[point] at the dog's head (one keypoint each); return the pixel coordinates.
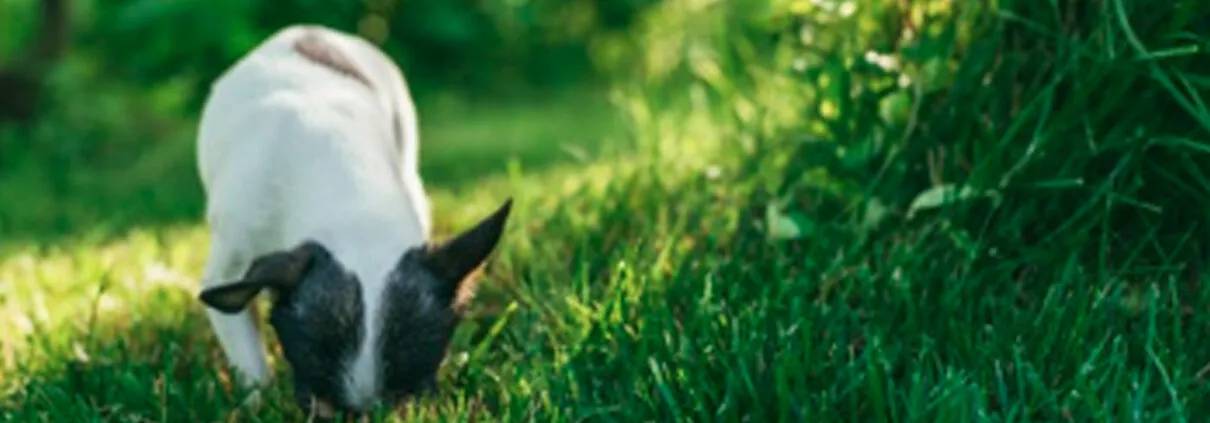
(350, 347)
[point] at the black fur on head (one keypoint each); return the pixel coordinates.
(319, 315)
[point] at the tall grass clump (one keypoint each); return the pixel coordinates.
(932, 211)
(989, 212)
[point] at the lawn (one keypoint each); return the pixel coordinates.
(990, 230)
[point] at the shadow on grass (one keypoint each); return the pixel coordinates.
(153, 371)
(55, 190)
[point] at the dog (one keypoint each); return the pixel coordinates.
(307, 150)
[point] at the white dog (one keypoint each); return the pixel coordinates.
(307, 150)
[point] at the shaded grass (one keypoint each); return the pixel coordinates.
(466, 139)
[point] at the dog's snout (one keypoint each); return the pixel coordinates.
(323, 410)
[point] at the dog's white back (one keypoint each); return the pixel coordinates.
(278, 115)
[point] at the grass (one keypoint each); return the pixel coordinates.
(643, 285)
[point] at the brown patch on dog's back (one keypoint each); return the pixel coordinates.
(313, 47)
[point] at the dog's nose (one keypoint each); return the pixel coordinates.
(354, 417)
(355, 413)
(343, 416)
(323, 410)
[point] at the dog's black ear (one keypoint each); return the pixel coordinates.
(233, 297)
(280, 271)
(457, 258)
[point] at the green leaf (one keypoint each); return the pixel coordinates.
(875, 214)
(942, 195)
(895, 107)
(783, 226)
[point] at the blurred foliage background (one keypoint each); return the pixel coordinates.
(99, 96)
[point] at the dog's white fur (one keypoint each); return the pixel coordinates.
(289, 150)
